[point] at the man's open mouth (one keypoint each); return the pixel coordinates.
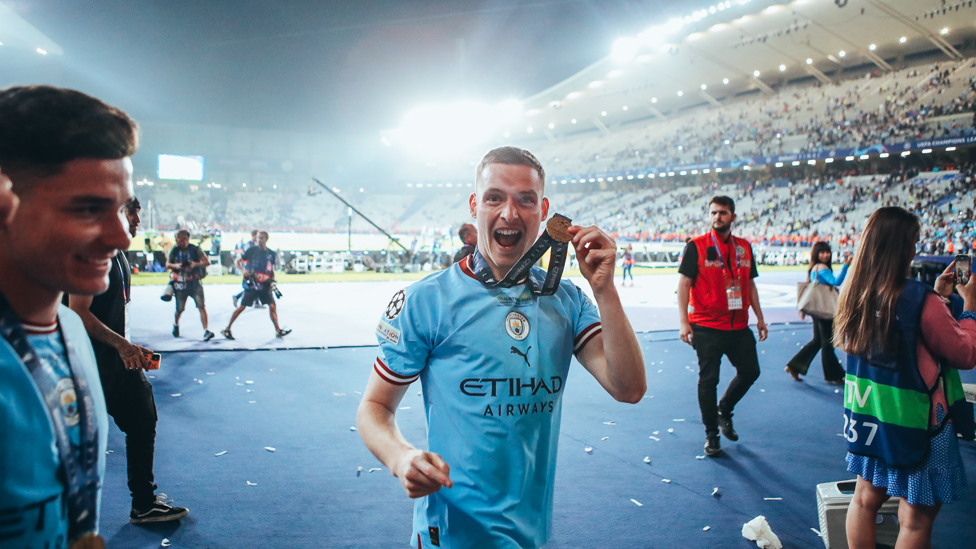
(507, 238)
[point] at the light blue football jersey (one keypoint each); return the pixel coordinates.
(493, 365)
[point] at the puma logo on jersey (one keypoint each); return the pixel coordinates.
(524, 355)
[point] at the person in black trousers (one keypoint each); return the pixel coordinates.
(823, 329)
(128, 394)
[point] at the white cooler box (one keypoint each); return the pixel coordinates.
(833, 499)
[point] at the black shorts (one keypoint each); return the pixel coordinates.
(196, 293)
(250, 296)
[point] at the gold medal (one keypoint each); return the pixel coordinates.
(556, 227)
(91, 540)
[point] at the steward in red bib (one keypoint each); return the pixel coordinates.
(724, 273)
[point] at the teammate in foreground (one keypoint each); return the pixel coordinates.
(258, 266)
(493, 363)
(67, 155)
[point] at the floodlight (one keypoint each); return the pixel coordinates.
(849, 158)
(551, 125)
(864, 157)
(603, 113)
(842, 53)
(950, 149)
(529, 129)
(44, 52)
(725, 80)
(796, 162)
(625, 107)
(573, 121)
(779, 164)
(883, 155)
(755, 73)
(902, 40)
(812, 162)
(654, 100)
(680, 93)
(782, 68)
(624, 49)
(615, 73)
(926, 151)
(809, 61)
(944, 31)
(596, 83)
(872, 47)
(703, 86)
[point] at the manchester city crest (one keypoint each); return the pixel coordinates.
(517, 326)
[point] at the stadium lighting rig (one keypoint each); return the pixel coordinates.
(625, 49)
(454, 127)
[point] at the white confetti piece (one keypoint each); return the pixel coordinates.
(699, 457)
(637, 503)
(269, 448)
(249, 390)
(419, 393)
(357, 392)
(252, 402)
(671, 430)
(656, 433)
(359, 471)
(176, 394)
(666, 480)
(249, 382)
(210, 373)
(109, 452)
(654, 438)
(647, 459)
(815, 531)
(352, 428)
(659, 371)
(772, 499)
(707, 528)
(271, 369)
(374, 469)
(764, 352)
(715, 492)
(237, 378)
(339, 394)
(762, 390)
(218, 454)
(249, 483)
(794, 333)
(677, 420)
(404, 408)
(200, 381)
(604, 438)
(164, 543)
(836, 391)
(240, 384)
(588, 449)
(609, 423)
(151, 377)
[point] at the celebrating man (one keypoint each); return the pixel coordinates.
(67, 155)
(715, 291)
(128, 394)
(493, 360)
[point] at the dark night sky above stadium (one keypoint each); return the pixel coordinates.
(326, 67)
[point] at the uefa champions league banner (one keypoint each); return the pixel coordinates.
(896, 148)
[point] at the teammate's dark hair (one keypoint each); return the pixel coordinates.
(265, 233)
(464, 231)
(183, 232)
(723, 201)
(42, 128)
(512, 156)
(133, 205)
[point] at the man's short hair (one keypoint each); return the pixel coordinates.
(464, 231)
(723, 201)
(513, 156)
(133, 205)
(254, 233)
(42, 128)
(183, 232)
(265, 233)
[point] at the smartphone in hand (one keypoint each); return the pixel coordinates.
(964, 268)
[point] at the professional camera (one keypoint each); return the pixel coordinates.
(277, 292)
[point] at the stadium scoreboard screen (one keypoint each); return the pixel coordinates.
(186, 168)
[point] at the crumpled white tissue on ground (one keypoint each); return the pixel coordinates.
(758, 530)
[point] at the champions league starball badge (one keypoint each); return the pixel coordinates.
(557, 237)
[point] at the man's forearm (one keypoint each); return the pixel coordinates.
(684, 290)
(754, 300)
(625, 362)
(99, 331)
(379, 431)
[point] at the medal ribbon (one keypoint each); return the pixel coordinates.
(522, 270)
(722, 261)
(79, 470)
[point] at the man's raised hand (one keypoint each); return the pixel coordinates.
(596, 253)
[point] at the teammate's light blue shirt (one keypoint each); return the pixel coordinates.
(493, 364)
(31, 488)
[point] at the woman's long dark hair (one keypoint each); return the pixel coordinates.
(818, 248)
(865, 317)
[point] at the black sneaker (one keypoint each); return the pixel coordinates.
(283, 333)
(157, 512)
(176, 330)
(226, 333)
(725, 424)
(713, 446)
(207, 335)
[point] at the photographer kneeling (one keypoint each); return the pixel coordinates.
(259, 283)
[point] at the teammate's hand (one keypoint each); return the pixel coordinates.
(686, 334)
(943, 284)
(134, 356)
(763, 330)
(422, 473)
(8, 201)
(596, 254)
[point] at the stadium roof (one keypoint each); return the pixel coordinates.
(739, 46)
(17, 34)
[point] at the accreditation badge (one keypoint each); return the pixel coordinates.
(734, 295)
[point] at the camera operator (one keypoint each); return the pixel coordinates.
(188, 264)
(259, 283)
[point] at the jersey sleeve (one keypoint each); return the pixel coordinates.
(587, 322)
(404, 333)
(754, 270)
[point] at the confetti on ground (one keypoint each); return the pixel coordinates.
(671, 430)
(699, 457)
(357, 392)
(151, 377)
(218, 454)
(164, 543)
(240, 384)
(654, 438)
(637, 503)
(588, 449)
(352, 428)
(419, 393)
(678, 420)
(656, 433)
(269, 448)
(237, 378)
(249, 382)
(109, 452)
(604, 438)
(794, 333)
(249, 390)
(249, 483)
(251, 401)
(375, 469)
(707, 528)
(773, 499)
(210, 373)
(836, 391)
(271, 369)
(404, 407)
(647, 459)
(659, 371)
(666, 480)
(609, 423)
(200, 381)
(715, 492)
(176, 394)
(762, 390)
(764, 352)
(339, 394)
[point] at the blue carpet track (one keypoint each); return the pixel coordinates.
(310, 492)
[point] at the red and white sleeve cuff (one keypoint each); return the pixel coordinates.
(586, 335)
(392, 377)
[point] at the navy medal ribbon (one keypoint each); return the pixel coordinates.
(79, 469)
(554, 237)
